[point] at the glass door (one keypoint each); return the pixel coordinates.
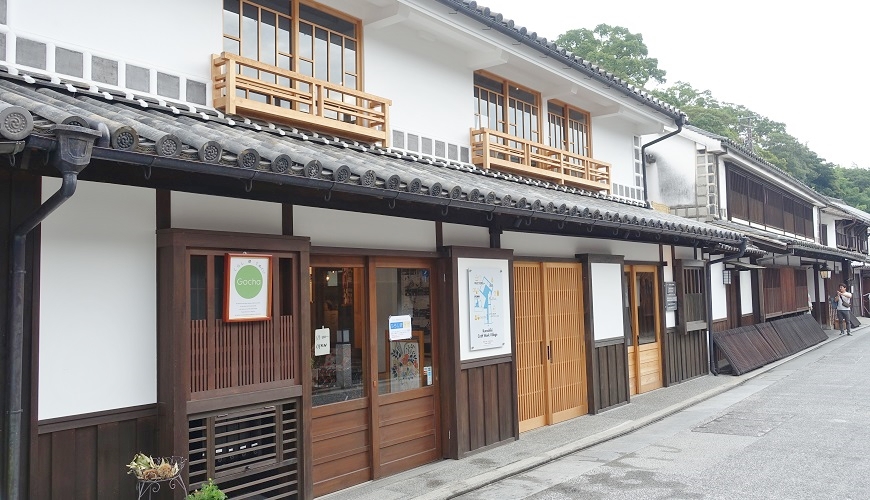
(645, 360)
(341, 411)
(403, 361)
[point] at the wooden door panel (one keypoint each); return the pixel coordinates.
(650, 369)
(407, 431)
(564, 309)
(340, 446)
(531, 352)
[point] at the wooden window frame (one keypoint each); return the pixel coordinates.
(684, 323)
(564, 142)
(295, 20)
(504, 121)
(754, 201)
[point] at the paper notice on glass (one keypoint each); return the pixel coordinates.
(321, 342)
(400, 327)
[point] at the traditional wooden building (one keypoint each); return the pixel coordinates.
(278, 244)
(710, 178)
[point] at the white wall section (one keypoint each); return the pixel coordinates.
(98, 303)
(607, 300)
(349, 229)
(215, 213)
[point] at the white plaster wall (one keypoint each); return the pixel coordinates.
(746, 292)
(216, 213)
(674, 169)
(469, 236)
(540, 245)
(97, 317)
(831, 227)
(148, 34)
(613, 142)
(685, 253)
(463, 265)
(607, 300)
(718, 291)
(349, 229)
(429, 83)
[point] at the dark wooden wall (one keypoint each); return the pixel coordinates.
(488, 390)
(83, 457)
(611, 365)
(478, 397)
(685, 355)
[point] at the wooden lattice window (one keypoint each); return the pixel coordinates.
(249, 451)
(737, 198)
(293, 36)
(568, 129)
(772, 292)
(691, 295)
(506, 107)
(225, 356)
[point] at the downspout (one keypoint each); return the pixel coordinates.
(714, 369)
(679, 122)
(72, 155)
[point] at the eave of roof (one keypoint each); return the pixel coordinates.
(733, 147)
(847, 210)
(530, 38)
(165, 137)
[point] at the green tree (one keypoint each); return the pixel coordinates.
(615, 49)
(624, 54)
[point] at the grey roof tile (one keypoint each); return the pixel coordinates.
(247, 145)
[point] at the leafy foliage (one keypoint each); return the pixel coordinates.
(624, 54)
(615, 49)
(209, 491)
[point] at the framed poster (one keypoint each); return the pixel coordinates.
(486, 308)
(404, 358)
(247, 287)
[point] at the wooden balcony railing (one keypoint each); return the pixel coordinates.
(499, 151)
(247, 87)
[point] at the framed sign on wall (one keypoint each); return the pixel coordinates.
(248, 287)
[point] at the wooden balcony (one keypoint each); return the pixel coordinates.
(499, 151)
(246, 87)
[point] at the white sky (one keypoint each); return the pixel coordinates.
(800, 63)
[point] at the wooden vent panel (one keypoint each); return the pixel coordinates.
(249, 451)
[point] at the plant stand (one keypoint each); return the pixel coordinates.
(145, 487)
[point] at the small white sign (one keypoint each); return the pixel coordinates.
(400, 327)
(321, 342)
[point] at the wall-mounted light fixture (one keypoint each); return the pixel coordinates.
(726, 277)
(824, 272)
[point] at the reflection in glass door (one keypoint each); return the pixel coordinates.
(404, 362)
(645, 360)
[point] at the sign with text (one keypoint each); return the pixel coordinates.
(670, 296)
(321, 342)
(485, 308)
(248, 287)
(400, 327)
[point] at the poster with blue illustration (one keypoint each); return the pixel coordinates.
(486, 308)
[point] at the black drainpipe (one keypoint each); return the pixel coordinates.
(679, 122)
(72, 155)
(711, 348)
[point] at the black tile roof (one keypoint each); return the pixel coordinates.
(164, 136)
(779, 243)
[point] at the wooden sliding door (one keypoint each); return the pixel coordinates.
(551, 371)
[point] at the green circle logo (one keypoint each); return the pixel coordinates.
(249, 282)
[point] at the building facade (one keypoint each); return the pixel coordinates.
(280, 244)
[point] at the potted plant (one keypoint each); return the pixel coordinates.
(209, 491)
